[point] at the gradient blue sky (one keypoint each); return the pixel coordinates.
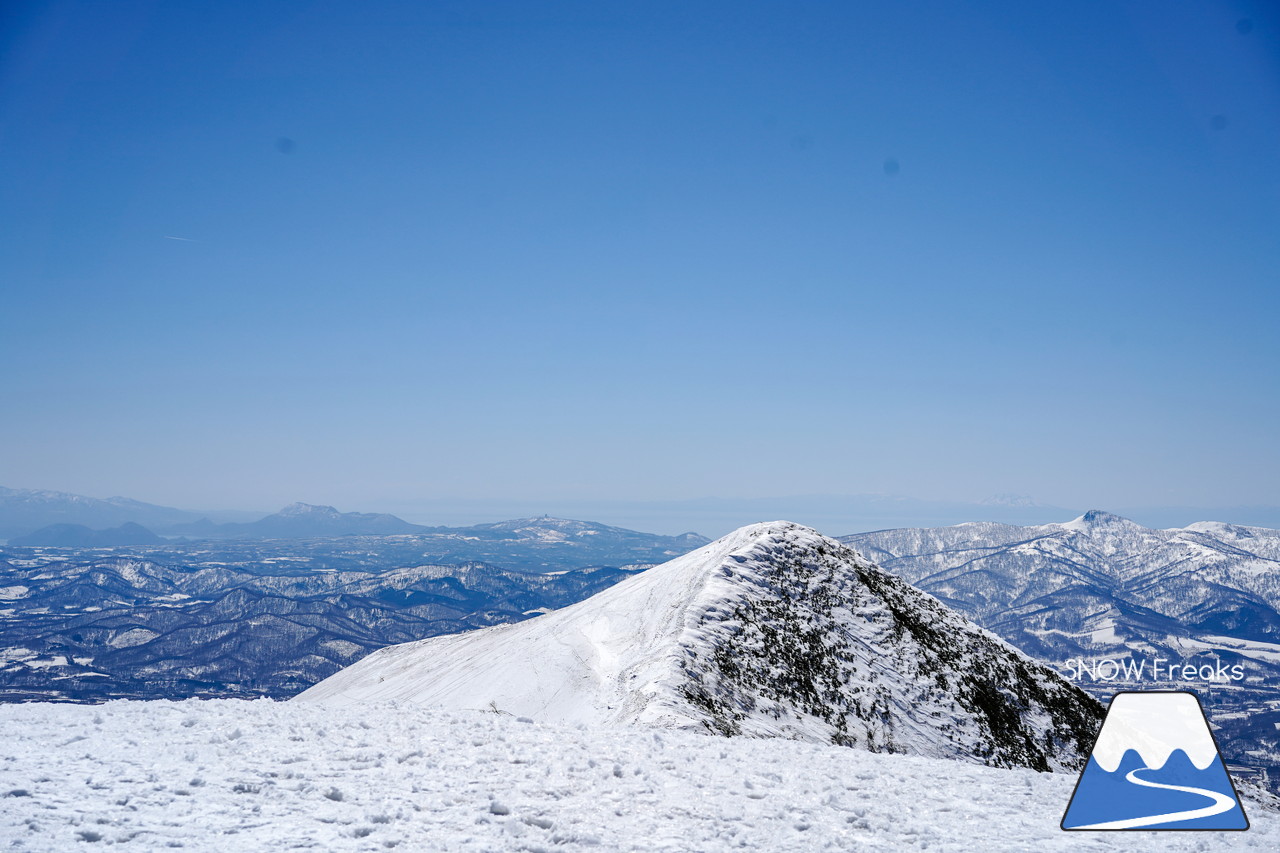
(565, 252)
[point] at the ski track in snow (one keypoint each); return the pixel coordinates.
(247, 776)
(1221, 803)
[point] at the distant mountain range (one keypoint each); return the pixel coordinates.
(63, 518)
(24, 511)
(259, 616)
(837, 513)
(302, 521)
(774, 630)
(1099, 587)
(1103, 588)
(57, 520)
(1099, 583)
(127, 628)
(79, 536)
(328, 540)
(296, 521)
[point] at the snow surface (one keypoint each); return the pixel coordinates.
(266, 776)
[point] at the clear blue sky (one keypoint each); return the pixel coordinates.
(640, 251)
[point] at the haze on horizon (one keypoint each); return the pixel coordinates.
(388, 254)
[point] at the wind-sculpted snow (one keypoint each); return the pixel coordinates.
(774, 630)
(253, 777)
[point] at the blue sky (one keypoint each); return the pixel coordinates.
(571, 252)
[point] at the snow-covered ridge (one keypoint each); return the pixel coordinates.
(610, 655)
(773, 630)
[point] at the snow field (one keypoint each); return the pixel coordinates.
(239, 776)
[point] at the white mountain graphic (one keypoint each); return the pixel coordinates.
(1154, 727)
(1154, 766)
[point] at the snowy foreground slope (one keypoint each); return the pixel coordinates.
(225, 775)
(773, 631)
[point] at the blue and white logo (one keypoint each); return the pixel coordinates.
(1155, 766)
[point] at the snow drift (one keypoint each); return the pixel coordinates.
(771, 631)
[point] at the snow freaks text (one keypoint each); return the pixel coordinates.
(1155, 669)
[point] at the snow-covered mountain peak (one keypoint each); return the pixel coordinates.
(1229, 532)
(536, 521)
(42, 495)
(1097, 519)
(763, 531)
(553, 531)
(300, 510)
(568, 526)
(772, 630)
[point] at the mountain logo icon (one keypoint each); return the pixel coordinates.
(1155, 765)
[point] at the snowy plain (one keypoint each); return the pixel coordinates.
(228, 775)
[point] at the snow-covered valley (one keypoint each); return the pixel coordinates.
(222, 775)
